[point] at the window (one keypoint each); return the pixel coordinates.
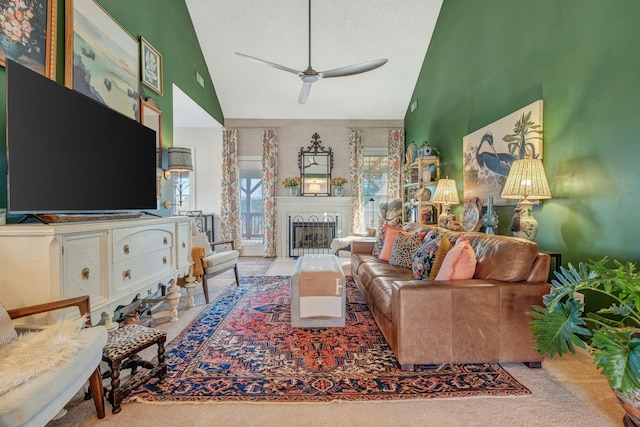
(376, 175)
(251, 201)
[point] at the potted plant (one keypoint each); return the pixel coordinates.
(611, 333)
(426, 150)
(292, 184)
(337, 183)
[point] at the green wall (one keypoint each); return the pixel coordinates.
(167, 26)
(488, 58)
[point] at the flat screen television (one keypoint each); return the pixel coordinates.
(67, 153)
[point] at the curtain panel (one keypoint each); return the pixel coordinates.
(269, 182)
(356, 166)
(230, 211)
(396, 153)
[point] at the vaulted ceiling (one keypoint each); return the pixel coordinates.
(343, 32)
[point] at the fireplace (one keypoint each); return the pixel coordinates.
(311, 234)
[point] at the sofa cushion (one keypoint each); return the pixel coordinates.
(370, 270)
(403, 249)
(424, 257)
(491, 252)
(7, 331)
(390, 234)
(459, 263)
(380, 293)
(443, 250)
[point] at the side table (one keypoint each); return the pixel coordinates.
(120, 352)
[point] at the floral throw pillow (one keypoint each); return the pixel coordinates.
(424, 257)
(403, 248)
(377, 247)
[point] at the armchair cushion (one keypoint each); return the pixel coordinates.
(7, 331)
(219, 261)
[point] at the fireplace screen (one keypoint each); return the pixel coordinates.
(311, 235)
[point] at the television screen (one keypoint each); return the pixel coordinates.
(67, 153)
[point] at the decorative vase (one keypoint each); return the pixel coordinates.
(293, 191)
(338, 191)
(524, 225)
(490, 219)
(12, 50)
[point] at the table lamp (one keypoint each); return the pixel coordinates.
(446, 194)
(526, 180)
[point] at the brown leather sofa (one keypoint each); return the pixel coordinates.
(482, 319)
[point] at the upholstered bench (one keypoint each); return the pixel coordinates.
(120, 352)
(318, 295)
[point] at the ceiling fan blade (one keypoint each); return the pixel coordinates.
(270, 64)
(304, 93)
(353, 69)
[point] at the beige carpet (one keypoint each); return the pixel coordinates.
(567, 391)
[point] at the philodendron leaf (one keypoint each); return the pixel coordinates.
(617, 353)
(558, 330)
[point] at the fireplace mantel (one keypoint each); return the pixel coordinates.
(286, 206)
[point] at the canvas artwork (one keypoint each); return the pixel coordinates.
(26, 34)
(490, 151)
(104, 61)
(151, 66)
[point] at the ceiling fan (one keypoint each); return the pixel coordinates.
(310, 76)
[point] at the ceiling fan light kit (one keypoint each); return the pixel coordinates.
(310, 76)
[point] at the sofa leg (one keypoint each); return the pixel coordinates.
(535, 365)
(406, 367)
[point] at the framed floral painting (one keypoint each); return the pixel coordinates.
(151, 66)
(27, 34)
(490, 151)
(102, 59)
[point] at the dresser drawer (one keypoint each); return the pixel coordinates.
(131, 274)
(83, 271)
(129, 243)
(184, 245)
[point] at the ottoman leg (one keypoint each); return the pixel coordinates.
(115, 388)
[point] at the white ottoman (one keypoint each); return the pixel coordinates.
(318, 294)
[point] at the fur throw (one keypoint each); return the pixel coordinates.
(34, 353)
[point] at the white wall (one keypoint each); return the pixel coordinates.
(294, 134)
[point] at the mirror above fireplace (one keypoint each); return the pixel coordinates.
(315, 163)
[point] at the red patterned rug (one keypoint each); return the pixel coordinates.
(243, 348)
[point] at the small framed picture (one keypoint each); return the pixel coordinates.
(151, 69)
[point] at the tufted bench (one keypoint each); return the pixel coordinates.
(120, 352)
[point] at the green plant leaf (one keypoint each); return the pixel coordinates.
(617, 353)
(558, 330)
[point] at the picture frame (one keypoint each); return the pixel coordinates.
(36, 51)
(101, 58)
(489, 152)
(150, 66)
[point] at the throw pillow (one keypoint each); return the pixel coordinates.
(7, 331)
(403, 249)
(201, 240)
(422, 261)
(460, 262)
(445, 247)
(390, 234)
(377, 247)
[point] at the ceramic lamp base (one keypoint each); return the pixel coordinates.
(528, 225)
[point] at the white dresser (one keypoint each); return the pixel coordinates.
(111, 261)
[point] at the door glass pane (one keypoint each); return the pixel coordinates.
(251, 206)
(376, 171)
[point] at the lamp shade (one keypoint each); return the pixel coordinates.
(526, 180)
(180, 159)
(446, 192)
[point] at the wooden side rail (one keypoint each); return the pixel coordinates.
(81, 302)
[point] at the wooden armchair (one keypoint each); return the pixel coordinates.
(216, 262)
(36, 402)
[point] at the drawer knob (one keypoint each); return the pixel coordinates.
(164, 259)
(126, 274)
(86, 273)
(184, 245)
(126, 249)
(165, 241)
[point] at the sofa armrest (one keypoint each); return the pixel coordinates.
(362, 247)
(81, 302)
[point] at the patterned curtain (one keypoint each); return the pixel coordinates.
(269, 182)
(230, 213)
(396, 152)
(356, 166)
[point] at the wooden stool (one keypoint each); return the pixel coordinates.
(120, 353)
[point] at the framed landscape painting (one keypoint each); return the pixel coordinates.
(27, 34)
(102, 59)
(489, 152)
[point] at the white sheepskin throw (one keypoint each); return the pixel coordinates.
(34, 353)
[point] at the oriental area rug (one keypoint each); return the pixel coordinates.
(242, 348)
